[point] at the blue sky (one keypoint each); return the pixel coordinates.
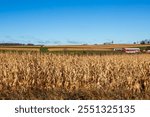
(74, 21)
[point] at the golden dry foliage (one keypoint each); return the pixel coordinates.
(95, 47)
(48, 76)
(19, 49)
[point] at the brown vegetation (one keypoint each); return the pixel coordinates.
(19, 49)
(95, 47)
(48, 76)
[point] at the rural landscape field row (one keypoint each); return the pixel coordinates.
(50, 76)
(75, 47)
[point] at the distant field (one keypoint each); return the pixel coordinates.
(19, 49)
(73, 47)
(94, 47)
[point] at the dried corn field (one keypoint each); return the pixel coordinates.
(48, 76)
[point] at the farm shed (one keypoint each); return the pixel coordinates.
(118, 49)
(131, 50)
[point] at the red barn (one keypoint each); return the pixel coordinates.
(131, 50)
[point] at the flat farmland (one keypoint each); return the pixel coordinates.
(19, 49)
(47, 75)
(73, 47)
(94, 47)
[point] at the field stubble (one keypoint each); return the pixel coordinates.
(49, 76)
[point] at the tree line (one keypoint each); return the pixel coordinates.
(146, 41)
(16, 44)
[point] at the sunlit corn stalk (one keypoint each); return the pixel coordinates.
(24, 73)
